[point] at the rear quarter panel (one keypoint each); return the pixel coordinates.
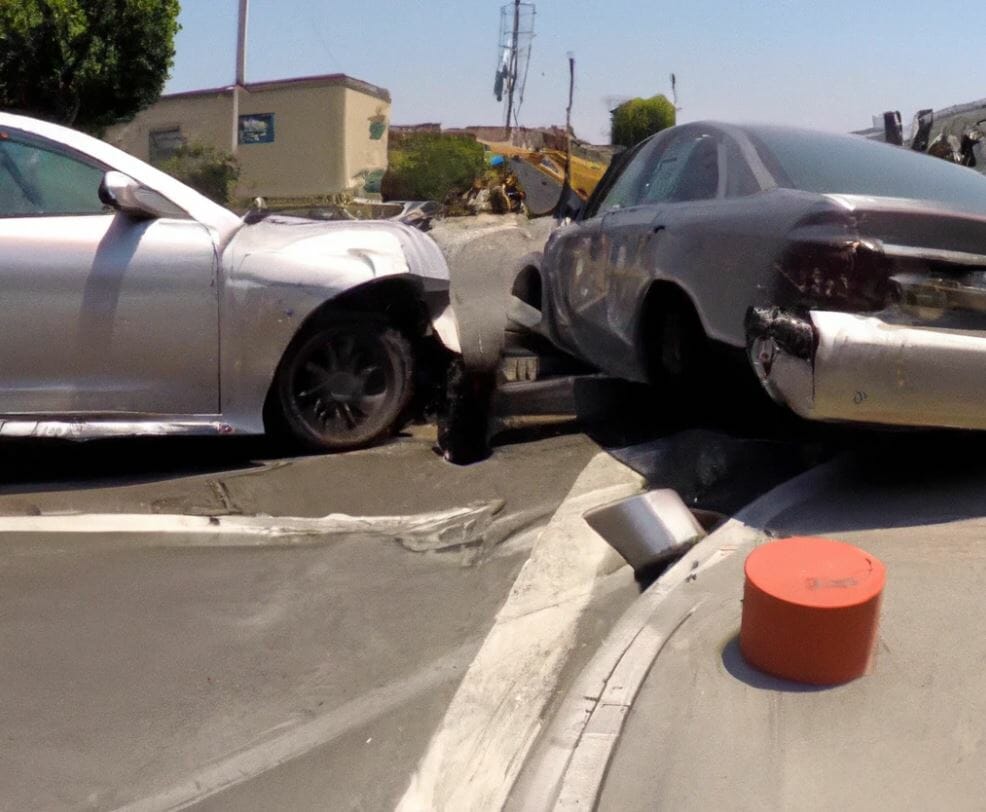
(725, 255)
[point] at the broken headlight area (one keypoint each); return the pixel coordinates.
(931, 297)
(828, 265)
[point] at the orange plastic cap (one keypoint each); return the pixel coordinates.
(811, 608)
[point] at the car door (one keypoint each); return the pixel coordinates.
(577, 260)
(719, 248)
(101, 314)
(682, 168)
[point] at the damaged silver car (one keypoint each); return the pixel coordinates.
(850, 274)
(133, 305)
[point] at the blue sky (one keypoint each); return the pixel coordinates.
(829, 65)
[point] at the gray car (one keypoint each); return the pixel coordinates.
(134, 305)
(850, 275)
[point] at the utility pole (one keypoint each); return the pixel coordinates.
(241, 39)
(513, 69)
(568, 121)
(241, 43)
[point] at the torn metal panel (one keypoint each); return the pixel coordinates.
(954, 134)
(892, 129)
(924, 120)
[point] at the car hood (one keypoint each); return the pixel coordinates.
(384, 248)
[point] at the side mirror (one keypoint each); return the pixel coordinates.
(126, 195)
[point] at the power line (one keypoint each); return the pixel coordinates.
(321, 38)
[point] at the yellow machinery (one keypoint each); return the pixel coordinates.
(585, 174)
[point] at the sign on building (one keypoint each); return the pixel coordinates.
(257, 128)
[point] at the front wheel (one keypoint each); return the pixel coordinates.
(346, 384)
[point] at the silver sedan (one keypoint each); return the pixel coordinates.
(134, 305)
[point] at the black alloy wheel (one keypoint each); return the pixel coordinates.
(347, 384)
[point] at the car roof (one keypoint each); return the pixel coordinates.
(759, 128)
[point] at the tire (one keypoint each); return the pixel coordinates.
(681, 347)
(680, 364)
(346, 384)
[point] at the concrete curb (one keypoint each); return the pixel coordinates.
(570, 764)
(497, 711)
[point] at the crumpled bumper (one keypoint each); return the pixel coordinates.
(446, 327)
(845, 367)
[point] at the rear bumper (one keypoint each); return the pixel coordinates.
(844, 367)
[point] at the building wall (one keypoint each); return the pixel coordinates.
(367, 131)
(307, 157)
(205, 118)
(327, 137)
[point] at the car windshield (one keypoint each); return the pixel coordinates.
(840, 164)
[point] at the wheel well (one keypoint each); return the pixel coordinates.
(528, 286)
(664, 299)
(399, 301)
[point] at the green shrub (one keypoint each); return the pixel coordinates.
(429, 166)
(206, 169)
(85, 63)
(635, 120)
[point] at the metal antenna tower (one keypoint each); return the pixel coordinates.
(514, 57)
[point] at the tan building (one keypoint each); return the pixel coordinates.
(296, 139)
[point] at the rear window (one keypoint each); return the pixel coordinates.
(840, 164)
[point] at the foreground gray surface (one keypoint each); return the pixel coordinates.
(134, 667)
(706, 731)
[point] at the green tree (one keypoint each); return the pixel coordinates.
(429, 166)
(635, 120)
(87, 63)
(206, 169)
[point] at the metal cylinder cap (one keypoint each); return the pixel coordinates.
(811, 608)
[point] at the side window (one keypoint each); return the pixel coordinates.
(625, 190)
(740, 180)
(36, 181)
(689, 170)
(680, 168)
